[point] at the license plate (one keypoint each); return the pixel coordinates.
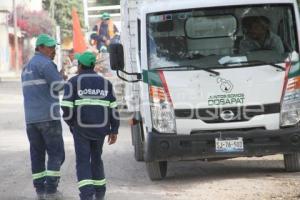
(229, 145)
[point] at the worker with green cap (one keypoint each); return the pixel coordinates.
(90, 109)
(41, 83)
(106, 32)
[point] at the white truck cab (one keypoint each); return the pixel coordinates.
(215, 79)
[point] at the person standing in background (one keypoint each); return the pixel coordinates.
(105, 32)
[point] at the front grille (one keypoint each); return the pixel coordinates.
(240, 114)
(194, 132)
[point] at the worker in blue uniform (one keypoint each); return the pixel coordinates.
(41, 83)
(90, 109)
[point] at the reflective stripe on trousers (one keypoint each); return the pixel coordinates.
(45, 173)
(91, 182)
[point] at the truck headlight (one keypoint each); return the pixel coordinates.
(290, 103)
(162, 111)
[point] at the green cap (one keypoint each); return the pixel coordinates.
(47, 40)
(105, 16)
(87, 59)
(77, 55)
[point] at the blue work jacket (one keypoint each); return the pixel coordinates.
(89, 105)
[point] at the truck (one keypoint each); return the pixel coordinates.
(209, 80)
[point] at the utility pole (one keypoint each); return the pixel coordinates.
(16, 36)
(86, 14)
(58, 56)
(52, 6)
(52, 9)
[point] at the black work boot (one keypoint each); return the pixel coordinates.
(99, 196)
(54, 196)
(40, 196)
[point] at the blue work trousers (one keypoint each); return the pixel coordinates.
(89, 166)
(46, 137)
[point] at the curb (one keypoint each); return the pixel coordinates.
(9, 79)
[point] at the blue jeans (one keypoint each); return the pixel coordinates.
(89, 166)
(46, 137)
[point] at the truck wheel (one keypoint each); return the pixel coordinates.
(138, 142)
(157, 170)
(292, 162)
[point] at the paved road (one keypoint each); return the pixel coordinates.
(247, 178)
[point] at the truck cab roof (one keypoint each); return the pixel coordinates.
(152, 6)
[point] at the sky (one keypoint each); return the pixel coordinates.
(31, 4)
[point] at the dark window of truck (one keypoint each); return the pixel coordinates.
(211, 26)
(213, 37)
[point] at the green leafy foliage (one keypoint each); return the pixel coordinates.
(108, 2)
(61, 11)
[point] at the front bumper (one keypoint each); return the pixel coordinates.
(161, 147)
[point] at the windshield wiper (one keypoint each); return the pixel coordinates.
(271, 64)
(187, 67)
(254, 63)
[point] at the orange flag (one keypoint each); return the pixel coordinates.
(79, 44)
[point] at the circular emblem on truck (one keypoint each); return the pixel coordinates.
(225, 85)
(227, 115)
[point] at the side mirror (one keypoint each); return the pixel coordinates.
(116, 56)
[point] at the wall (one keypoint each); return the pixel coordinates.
(4, 44)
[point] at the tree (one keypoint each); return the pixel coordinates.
(32, 23)
(61, 12)
(108, 2)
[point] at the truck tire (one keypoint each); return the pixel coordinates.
(138, 144)
(157, 170)
(292, 162)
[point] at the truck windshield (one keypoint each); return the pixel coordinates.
(216, 36)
